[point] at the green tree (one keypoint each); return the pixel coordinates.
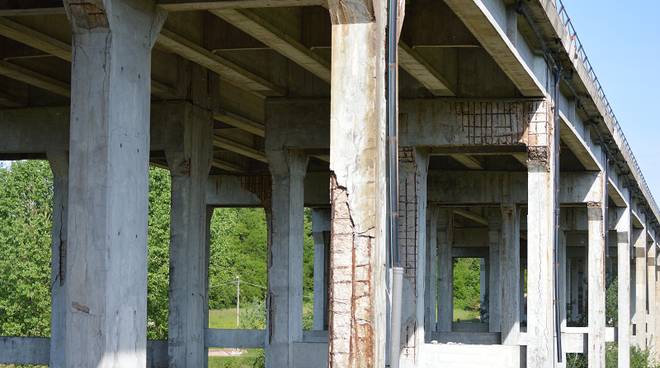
(25, 222)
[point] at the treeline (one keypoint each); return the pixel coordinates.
(238, 249)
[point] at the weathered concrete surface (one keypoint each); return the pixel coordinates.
(495, 187)
(639, 316)
(494, 274)
(510, 275)
(188, 287)
(596, 293)
(321, 235)
(623, 234)
(445, 271)
(59, 164)
(233, 191)
(106, 288)
(431, 287)
(413, 170)
(358, 192)
(541, 236)
(285, 261)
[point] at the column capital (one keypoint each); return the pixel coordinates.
(112, 15)
(286, 162)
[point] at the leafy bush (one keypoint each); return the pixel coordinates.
(466, 283)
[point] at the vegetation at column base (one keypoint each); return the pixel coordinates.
(639, 358)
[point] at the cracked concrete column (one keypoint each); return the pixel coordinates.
(623, 233)
(357, 328)
(542, 182)
(106, 269)
(510, 275)
(413, 173)
(285, 263)
(188, 289)
(639, 317)
(445, 271)
(431, 289)
(321, 235)
(59, 165)
(596, 281)
(494, 276)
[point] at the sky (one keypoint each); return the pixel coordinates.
(622, 41)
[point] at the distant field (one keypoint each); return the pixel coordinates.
(226, 318)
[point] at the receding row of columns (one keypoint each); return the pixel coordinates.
(99, 241)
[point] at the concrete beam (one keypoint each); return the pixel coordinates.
(33, 78)
(468, 161)
(54, 7)
(240, 122)
(239, 148)
(268, 34)
(34, 350)
(52, 46)
(474, 187)
(43, 129)
(236, 339)
(493, 38)
(227, 70)
(423, 122)
(422, 71)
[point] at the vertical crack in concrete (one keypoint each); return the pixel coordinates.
(351, 337)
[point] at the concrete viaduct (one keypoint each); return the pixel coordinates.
(508, 152)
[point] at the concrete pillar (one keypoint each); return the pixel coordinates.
(510, 276)
(561, 274)
(413, 172)
(483, 288)
(285, 276)
(575, 289)
(596, 283)
(59, 164)
(189, 169)
(321, 235)
(494, 276)
(656, 306)
(357, 331)
(651, 282)
(431, 289)
(542, 181)
(106, 288)
(639, 316)
(623, 232)
(445, 271)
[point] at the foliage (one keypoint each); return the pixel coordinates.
(611, 301)
(639, 358)
(159, 262)
(25, 222)
(238, 247)
(466, 283)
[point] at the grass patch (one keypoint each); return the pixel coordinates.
(466, 315)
